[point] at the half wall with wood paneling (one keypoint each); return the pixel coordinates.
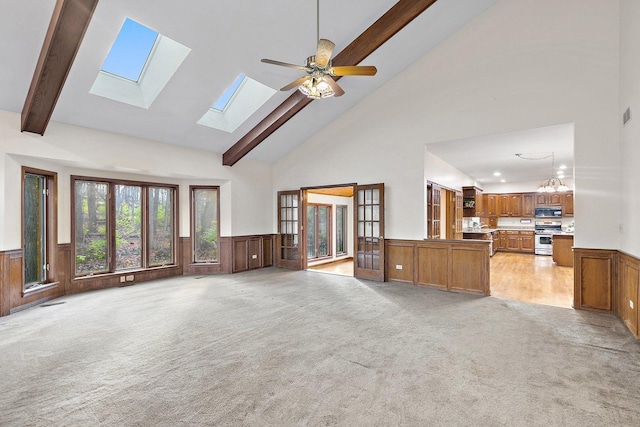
(452, 265)
(628, 291)
(594, 279)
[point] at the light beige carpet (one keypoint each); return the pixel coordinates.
(281, 348)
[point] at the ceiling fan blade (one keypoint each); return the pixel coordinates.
(295, 83)
(285, 64)
(353, 70)
(325, 50)
(337, 90)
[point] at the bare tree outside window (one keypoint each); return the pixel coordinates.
(205, 226)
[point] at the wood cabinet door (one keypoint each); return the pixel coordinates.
(515, 204)
(492, 205)
(527, 241)
(503, 205)
(502, 240)
(541, 199)
(528, 205)
(513, 240)
(369, 231)
(554, 199)
(434, 196)
(567, 204)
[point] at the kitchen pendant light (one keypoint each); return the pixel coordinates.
(552, 184)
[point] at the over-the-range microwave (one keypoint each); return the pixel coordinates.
(548, 211)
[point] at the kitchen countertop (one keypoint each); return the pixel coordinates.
(479, 230)
(563, 233)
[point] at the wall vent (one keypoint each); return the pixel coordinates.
(626, 116)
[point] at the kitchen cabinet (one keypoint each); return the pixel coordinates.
(472, 201)
(519, 241)
(492, 205)
(549, 199)
(567, 203)
(502, 240)
(563, 250)
(510, 205)
(528, 205)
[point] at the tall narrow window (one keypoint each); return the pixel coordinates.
(91, 248)
(318, 231)
(160, 226)
(341, 229)
(37, 206)
(128, 227)
(205, 227)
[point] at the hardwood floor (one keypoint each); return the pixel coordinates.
(531, 278)
(341, 268)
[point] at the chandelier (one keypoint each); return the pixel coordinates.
(552, 184)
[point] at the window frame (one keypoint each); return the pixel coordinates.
(192, 225)
(345, 229)
(51, 229)
(316, 207)
(111, 225)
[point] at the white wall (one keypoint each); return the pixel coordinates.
(630, 134)
(442, 173)
(523, 64)
(246, 189)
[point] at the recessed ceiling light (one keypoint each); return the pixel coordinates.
(503, 180)
(562, 167)
(496, 174)
(560, 173)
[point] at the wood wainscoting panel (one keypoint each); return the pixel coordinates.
(594, 277)
(12, 295)
(433, 266)
(469, 271)
(400, 262)
(240, 255)
(627, 291)
(453, 265)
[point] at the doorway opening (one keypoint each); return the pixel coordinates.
(329, 229)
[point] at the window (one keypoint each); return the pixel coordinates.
(224, 99)
(318, 231)
(205, 227)
(341, 229)
(38, 223)
(130, 50)
(121, 226)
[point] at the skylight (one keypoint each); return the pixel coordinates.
(223, 101)
(139, 65)
(237, 104)
(130, 51)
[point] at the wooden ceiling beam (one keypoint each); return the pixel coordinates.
(396, 18)
(68, 24)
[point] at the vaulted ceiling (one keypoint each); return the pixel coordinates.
(226, 38)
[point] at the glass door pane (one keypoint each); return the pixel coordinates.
(369, 210)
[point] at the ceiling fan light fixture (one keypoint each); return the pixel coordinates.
(316, 88)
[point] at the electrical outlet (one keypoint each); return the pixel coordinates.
(631, 304)
(398, 266)
(254, 256)
(130, 278)
(122, 278)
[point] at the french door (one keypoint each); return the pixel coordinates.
(290, 247)
(369, 232)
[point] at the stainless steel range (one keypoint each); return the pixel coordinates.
(544, 231)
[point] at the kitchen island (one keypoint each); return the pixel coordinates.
(563, 249)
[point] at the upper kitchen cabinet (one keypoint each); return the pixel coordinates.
(492, 205)
(567, 203)
(553, 199)
(528, 205)
(472, 201)
(510, 205)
